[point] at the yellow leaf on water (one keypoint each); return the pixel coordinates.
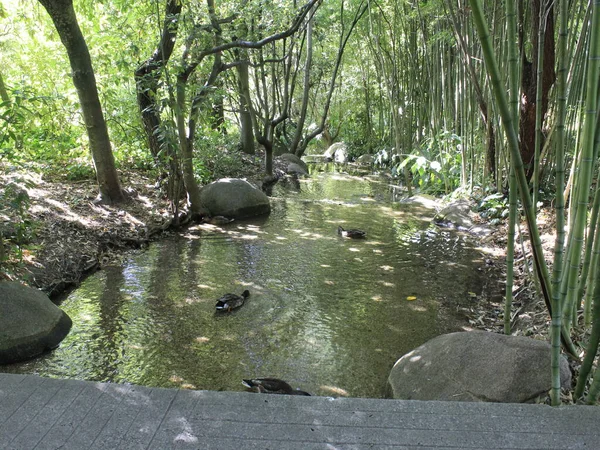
(410, 298)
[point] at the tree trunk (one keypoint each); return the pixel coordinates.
(3, 92)
(64, 19)
(306, 91)
(527, 127)
(246, 132)
(147, 77)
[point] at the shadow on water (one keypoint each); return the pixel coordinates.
(331, 315)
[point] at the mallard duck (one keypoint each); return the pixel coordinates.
(355, 233)
(231, 301)
(217, 220)
(271, 386)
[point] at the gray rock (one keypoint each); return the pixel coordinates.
(365, 160)
(341, 156)
(30, 323)
(234, 198)
(337, 152)
(293, 163)
(315, 158)
(458, 215)
(296, 169)
(476, 366)
(425, 200)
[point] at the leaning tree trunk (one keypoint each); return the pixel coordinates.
(65, 21)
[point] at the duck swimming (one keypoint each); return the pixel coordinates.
(355, 233)
(231, 301)
(271, 386)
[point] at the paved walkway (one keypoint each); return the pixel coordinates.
(43, 413)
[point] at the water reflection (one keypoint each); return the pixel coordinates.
(330, 315)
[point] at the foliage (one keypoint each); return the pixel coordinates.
(494, 207)
(219, 157)
(435, 167)
(15, 226)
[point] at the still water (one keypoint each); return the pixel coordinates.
(328, 314)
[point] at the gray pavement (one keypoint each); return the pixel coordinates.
(44, 413)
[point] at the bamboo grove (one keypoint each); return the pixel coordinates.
(496, 100)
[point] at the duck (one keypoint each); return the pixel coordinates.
(271, 386)
(231, 301)
(217, 220)
(355, 233)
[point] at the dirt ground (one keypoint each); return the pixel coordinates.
(68, 235)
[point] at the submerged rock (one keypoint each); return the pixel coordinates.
(30, 323)
(476, 366)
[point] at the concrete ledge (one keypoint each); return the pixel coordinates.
(43, 413)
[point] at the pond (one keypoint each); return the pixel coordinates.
(330, 315)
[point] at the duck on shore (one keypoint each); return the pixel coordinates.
(271, 386)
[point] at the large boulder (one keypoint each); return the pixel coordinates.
(294, 164)
(337, 152)
(476, 366)
(30, 323)
(365, 160)
(234, 198)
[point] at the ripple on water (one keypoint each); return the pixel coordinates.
(329, 314)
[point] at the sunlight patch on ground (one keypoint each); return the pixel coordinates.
(354, 249)
(377, 298)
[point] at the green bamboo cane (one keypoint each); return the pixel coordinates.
(513, 144)
(587, 279)
(587, 153)
(592, 297)
(561, 87)
(590, 355)
(513, 89)
(538, 102)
